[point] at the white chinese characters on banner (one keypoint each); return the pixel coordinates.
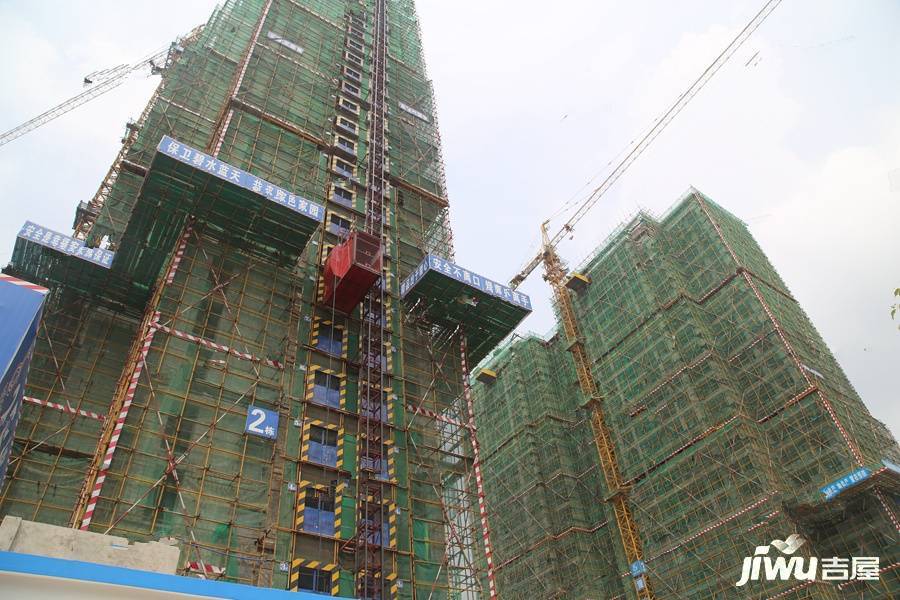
(65, 244)
(248, 181)
(836, 487)
(261, 422)
(441, 265)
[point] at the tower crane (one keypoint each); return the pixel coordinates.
(555, 274)
(101, 82)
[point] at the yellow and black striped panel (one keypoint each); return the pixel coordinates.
(391, 398)
(388, 313)
(320, 289)
(392, 524)
(316, 326)
(326, 249)
(311, 384)
(320, 277)
(304, 440)
(391, 470)
(338, 508)
(394, 589)
(388, 451)
(329, 568)
(331, 194)
(301, 501)
(390, 357)
(391, 507)
(386, 274)
(391, 578)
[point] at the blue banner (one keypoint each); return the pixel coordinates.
(65, 244)
(436, 263)
(195, 158)
(21, 309)
(12, 387)
(836, 487)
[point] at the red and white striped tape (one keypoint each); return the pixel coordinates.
(887, 509)
(22, 283)
(765, 520)
(64, 408)
(437, 417)
(117, 428)
(781, 334)
(709, 528)
(132, 387)
(220, 347)
(196, 567)
(476, 465)
(881, 572)
(179, 254)
(682, 448)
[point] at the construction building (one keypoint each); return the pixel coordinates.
(227, 357)
(730, 425)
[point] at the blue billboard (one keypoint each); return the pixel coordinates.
(217, 168)
(20, 314)
(65, 244)
(441, 265)
(836, 487)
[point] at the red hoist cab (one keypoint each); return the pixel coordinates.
(352, 268)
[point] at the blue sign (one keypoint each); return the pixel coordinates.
(65, 244)
(21, 307)
(436, 263)
(836, 487)
(638, 568)
(261, 422)
(193, 157)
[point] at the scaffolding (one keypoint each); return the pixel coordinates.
(281, 126)
(727, 412)
(452, 310)
(552, 539)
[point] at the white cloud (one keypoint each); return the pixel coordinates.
(835, 244)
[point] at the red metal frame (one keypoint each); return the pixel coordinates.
(351, 269)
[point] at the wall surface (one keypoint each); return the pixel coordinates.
(28, 537)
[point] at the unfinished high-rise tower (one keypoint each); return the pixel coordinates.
(256, 338)
(730, 425)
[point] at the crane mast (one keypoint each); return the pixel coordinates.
(555, 274)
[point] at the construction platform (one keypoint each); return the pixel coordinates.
(450, 296)
(183, 181)
(48, 257)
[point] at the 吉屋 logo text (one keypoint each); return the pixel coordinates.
(763, 567)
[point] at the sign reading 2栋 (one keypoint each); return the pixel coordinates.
(261, 422)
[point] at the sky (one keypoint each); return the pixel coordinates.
(799, 135)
